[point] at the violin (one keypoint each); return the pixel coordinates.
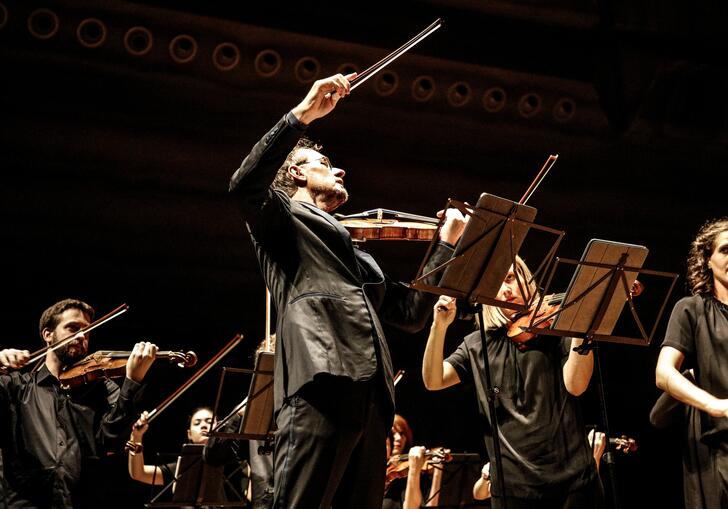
(106, 364)
(398, 465)
(385, 224)
(544, 315)
(624, 444)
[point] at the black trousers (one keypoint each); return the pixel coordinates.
(330, 446)
(590, 496)
(717, 496)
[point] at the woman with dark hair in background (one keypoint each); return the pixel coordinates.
(698, 332)
(198, 427)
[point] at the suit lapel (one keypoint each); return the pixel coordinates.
(343, 235)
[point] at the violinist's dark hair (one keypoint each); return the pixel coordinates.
(51, 316)
(189, 417)
(283, 180)
(700, 277)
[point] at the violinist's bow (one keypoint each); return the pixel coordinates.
(539, 178)
(368, 73)
(39, 354)
(194, 378)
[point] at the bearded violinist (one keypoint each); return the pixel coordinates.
(334, 397)
(52, 437)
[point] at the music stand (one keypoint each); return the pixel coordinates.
(486, 250)
(599, 289)
(492, 237)
(198, 484)
(257, 422)
(458, 476)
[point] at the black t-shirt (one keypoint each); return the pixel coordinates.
(698, 328)
(542, 437)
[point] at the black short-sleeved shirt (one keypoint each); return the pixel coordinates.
(698, 328)
(542, 437)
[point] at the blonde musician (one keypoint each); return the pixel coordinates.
(547, 461)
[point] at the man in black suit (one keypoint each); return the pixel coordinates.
(334, 398)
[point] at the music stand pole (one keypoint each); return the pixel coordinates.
(616, 275)
(491, 394)
(609, 459)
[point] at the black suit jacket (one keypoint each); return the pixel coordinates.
(330, 296)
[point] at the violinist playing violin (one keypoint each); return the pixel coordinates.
(405, 482)
(198, 428)
(546, 459)
(52, 437)
(333, 389)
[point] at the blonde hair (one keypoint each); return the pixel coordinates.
(493, 316)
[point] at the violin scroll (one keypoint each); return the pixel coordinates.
(183, 360)
(624, 444)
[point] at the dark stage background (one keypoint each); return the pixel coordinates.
(119, 137)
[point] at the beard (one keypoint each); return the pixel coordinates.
(70, 353)
(328, 198)
(334, 198)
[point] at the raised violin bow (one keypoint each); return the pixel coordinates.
(194, 378)
(384, 62)
(539, 178)
(368, 73)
